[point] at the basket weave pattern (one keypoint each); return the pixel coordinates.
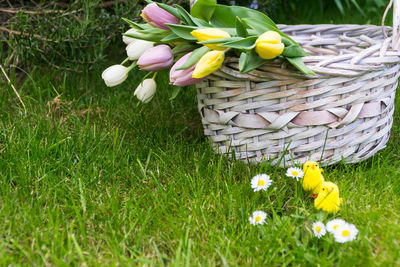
(344, 112)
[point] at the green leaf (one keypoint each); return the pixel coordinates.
(133, 24)
(251, 62)
(194, 57)
(183, 31)
(244, 58)
(221, 40)
(170, 10)
(183, 48)
(226, 15)
(203, 9)
(175, 92)
(299, 64)
(148, 37)
(240, 28)
(185, 15)
(173, 37)
(245, 43)
(294, 51)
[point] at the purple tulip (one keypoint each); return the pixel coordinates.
(182, 77)
(156, 58)
(157, 17)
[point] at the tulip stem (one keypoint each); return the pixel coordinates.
(126, 60)
(155, 75)
(134, 63)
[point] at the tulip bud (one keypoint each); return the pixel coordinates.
(269, 45)
(114, 75)
(158, 17)
(146, 90)
(127, 40)
(208, 63)
(136, 48)
(182, 77)
(210, 34)
(156, 58)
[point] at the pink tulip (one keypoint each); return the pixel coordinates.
(157, 17)
(156, 58)
(182, 77)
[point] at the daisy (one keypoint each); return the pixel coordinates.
(260, 182)
(258, 217)
(319, 229)
(345, 233)
(295, 173)
(334, 224)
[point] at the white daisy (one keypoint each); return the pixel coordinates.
(319, 229)
(333, 225)
(345, 233)
(295, 173)
(258, 217)
(260, 182)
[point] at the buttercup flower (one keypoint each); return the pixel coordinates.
(208, 63)
(261, 182)
(146, 90)
(182, 77)
(296, 173)
(258, 217)
(114, 75)
(206, 34)
(156, 58)
(319, 229)
(137, 47)
(158, 17)
(334, 224)
(269, 45)
(127, 40)
(345, 233)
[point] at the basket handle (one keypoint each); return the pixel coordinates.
(396, 21)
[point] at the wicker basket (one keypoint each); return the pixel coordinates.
(345, 112)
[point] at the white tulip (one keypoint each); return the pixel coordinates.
(146, 90)
(137, 47)
(114, 75)
(126, 39)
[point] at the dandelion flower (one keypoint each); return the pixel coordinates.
(333, 225)
(319, 229)
(295, 173)
(260, 182)
(258, 217)
(345, 233)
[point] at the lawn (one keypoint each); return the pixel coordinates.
(90, 176)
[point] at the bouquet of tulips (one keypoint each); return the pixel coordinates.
(195, 44)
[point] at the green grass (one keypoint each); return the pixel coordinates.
(92, 177)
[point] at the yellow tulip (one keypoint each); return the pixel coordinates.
(208, 63)
(210, 34)
(269, 45)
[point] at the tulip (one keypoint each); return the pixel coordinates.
(182, 77)
(137, 47)
(208, 63)
(114, 75)
(158, 17)
(269, 45)
(127, 40)
(156, 58)
(146, 90)
(210, 34)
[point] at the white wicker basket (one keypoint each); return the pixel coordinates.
(345, 112)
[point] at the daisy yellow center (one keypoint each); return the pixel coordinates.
(335, 226)
(345, 233)
(318, 229)
(258, 218)
(261, 183)
(295, 173)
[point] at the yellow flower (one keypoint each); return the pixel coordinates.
(210, 62)
(269, 45)
(210, 34)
